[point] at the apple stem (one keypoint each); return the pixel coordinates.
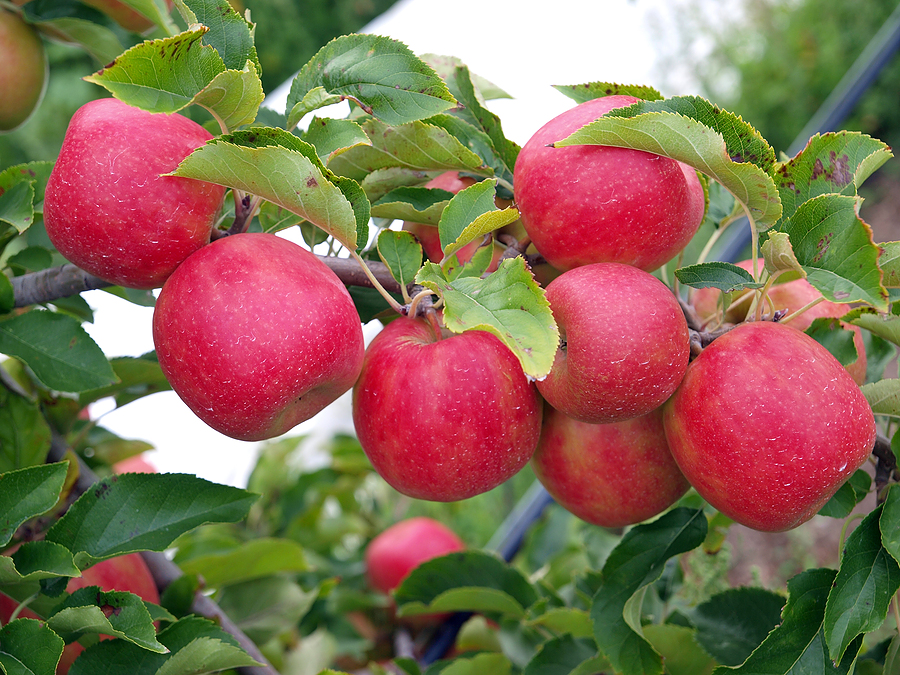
(396, 306)
(413, 305)
(800, 311)
(432, 317)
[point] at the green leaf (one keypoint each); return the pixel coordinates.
(731, 624)
(889, 262)
(152, 509)
(206, 655)
(7, 294)
(27, 493)
(637, 561)
(797, 646)
(508, 304)
(470, 215)
(277, 166)
(697, 133)
(29, 647)
(252, 560)
(137, 377)
(230, 34)
(17, 205)
(162, 75)
(883, 396)
(233, 96)
(831, 163)
(478, 141)
(35, 173)
(55, 346)
(866, 581)
(890, 522)
(465, 579)
(445, 67)
(727, 277)
(98, 41)
(36, 560)
(829, 333)
(480, 664)
(380, 182)
(682, 655)
(581, 93)
(379, 73)
(262, 608)
(576, 622)
(110, 657)
(836, 250)
(562, 655)
(851, 493)
(415, 204)
(332, 136)
(115, 613)
(24, 432)
(401, 253)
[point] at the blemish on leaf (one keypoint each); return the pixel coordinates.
(311, 182)
(822, 246)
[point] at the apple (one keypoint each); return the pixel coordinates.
(611, 475)
(444, 417)
(134, 464)
(127, 573)
(767, 425)
(791, 296)
(124, 15)
(624, 343)
(402, 547)
(23, 76)
(256, 335)
(589, 203)
(107, 208)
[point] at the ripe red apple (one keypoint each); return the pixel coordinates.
(791, 296)
(444, 418)
(23, 75)
(402, 547)
(256, 335)
(767, 425)
(124, 15)
(610, 475)
(127, 573)
(134, 464)
(107, 208)
(589, 203)
(625, 343)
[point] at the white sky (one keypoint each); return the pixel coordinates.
(522, 46)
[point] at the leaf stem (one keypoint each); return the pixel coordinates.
(800, 311)
(396, 306)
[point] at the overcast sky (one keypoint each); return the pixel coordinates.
(521, 46)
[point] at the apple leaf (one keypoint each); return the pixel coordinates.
(416, 145)
(26, 493)
(508, 304)
(866, 581)
(262, 608)
(851, 493)
(24, 433)
(381, 182)
(116, 613)
(731, 624)
(229, 33)
(98, 41)
(36, 560)
(381, 74)
(233, 96)
(582, 93)
(253, 559)
(727, 277)
(564, 654)
(469, 580)
(637, 561)
(477, 140)
(57, 349)
(829, 333)
(28, 646)
(17, 205)
(160, 507)
(445, 67)
(889, 262)
(883, 396)
(886, 326)
(778, 254)
(155, 10)
(890, 522)
(401, 253)
(138, 376)
(797, 645)
(332, 136)
(835, 248)
(277, 166)
(693, 131)
(681, 653)
(470, 215)
(831, 163)
(206, 655)
(415, 204)
(571, 620)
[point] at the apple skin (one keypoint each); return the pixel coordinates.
(107, 208)
(611, 475)
(134, 464)
(791, 296)
(23, 76)
(402, 547)
(123, 15)
(589, 203)
(256, 335)
(767, 425)
(127, 573)
(626, 343)
(444, 419)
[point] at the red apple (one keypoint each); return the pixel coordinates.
(124, 15)
(791, 296)
(23, 77)
(767, 425)
(107, 208)
(127, 573)
(402, 547)
(625, 343)
(590, 203)
(134, 464)
(610, 475)
(444, 418)
(256, 335)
